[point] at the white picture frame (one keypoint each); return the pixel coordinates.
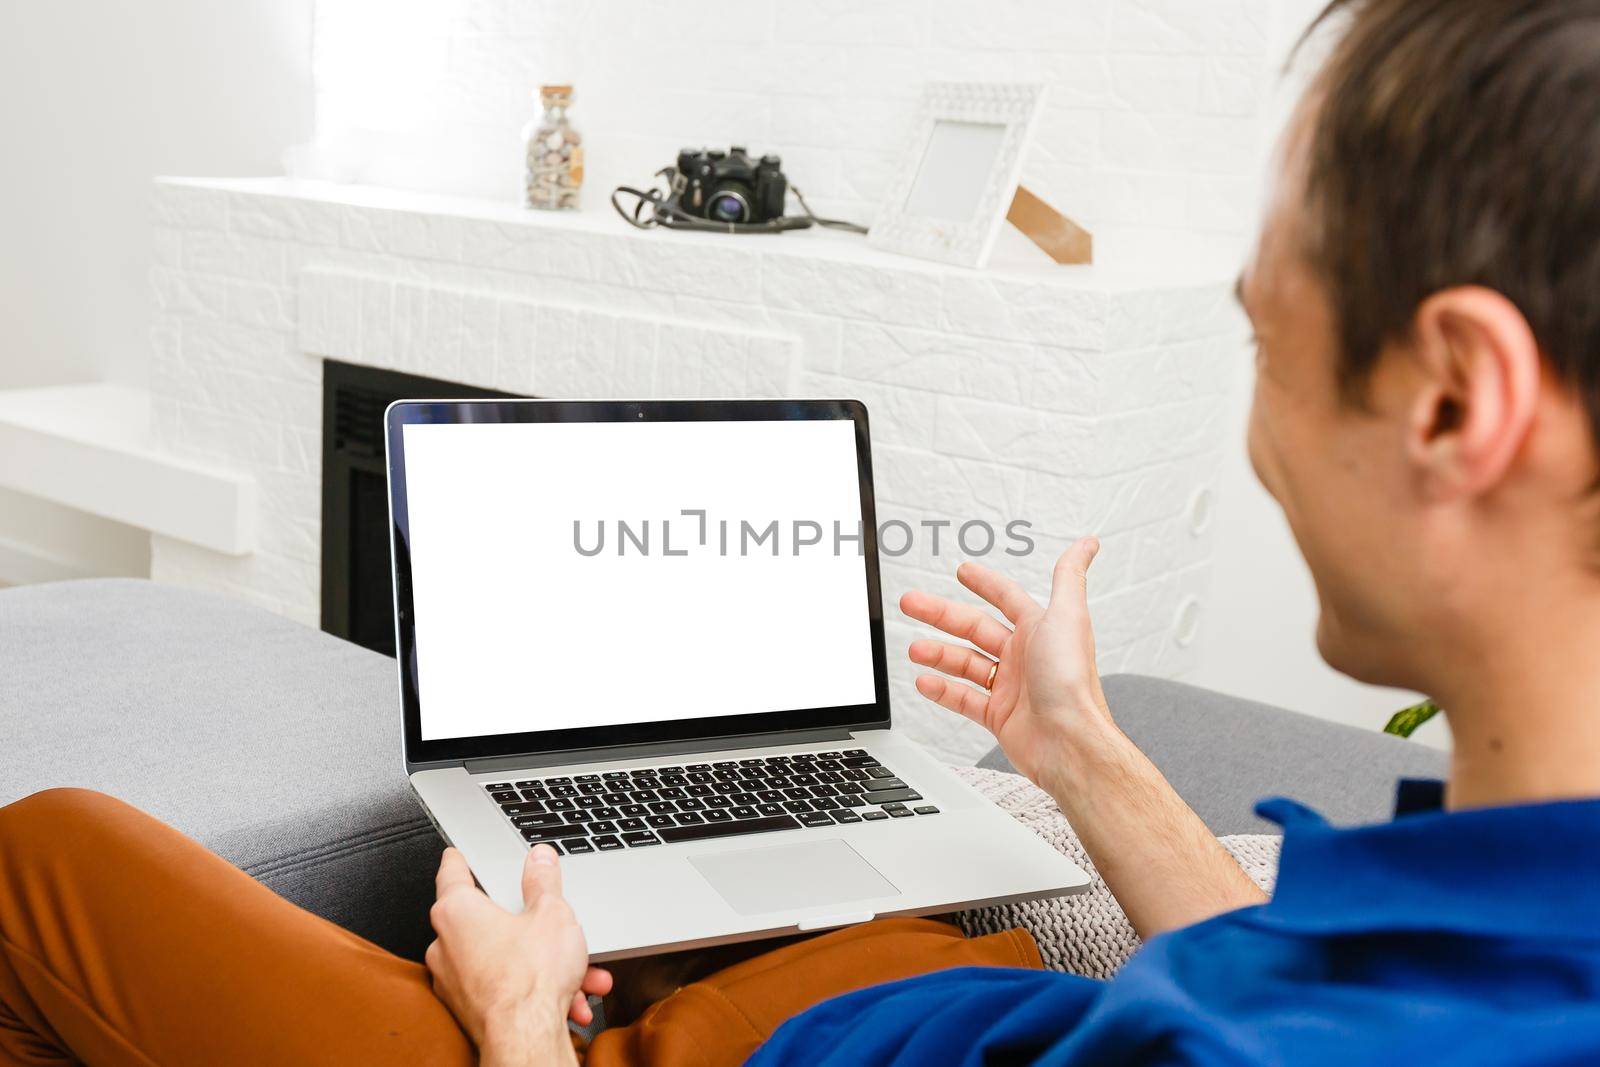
(958, 171)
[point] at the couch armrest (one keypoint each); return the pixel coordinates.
(1222, 754)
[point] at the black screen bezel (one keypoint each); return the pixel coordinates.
(543, 742)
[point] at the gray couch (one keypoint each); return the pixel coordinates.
(278, 746)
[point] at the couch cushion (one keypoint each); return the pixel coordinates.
(1222, 754)
(272, 743)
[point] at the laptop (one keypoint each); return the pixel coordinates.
(651, 634)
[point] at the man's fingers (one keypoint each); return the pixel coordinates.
(541, 874)
(1005, 594)
(961, 699)
(958, 620)
(597, 981)
(453, 873)
(953, 660)
(580, 1012)
(1071, 577)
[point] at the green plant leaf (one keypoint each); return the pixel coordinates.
(1404, 722)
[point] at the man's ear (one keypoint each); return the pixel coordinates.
(1480, 368)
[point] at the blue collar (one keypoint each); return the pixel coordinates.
(1526, 871)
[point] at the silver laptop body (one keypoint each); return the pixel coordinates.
(651, 634)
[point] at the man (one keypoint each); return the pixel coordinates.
(1426, 411)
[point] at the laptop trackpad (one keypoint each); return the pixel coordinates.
(786, 877)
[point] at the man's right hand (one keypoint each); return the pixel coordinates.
(1045, 705)
(1047, 711)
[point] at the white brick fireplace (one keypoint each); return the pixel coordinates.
(1080, 400)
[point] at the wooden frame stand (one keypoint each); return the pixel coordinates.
(1062, 239)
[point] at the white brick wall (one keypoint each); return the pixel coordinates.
(1071, 399)
(1150, 133)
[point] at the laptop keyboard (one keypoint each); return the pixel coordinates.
(638, 808)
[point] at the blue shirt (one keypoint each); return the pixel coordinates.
(1468, 937)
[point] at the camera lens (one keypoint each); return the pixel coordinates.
(728, 207)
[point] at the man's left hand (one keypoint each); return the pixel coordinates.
(512, 980)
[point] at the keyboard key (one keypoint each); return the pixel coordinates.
(591, 802)
(633, 811)
(524, 808)
(853, 801)
(893, 796)
(616, 800)
(824, 804)
(701, 791)
(873, 816)
(528, 784)
(548, 818)
(645, 796)
(658, 821)
(900, 813)
(824, 791)
(630, 825)
(849, 787)
(551, 833)
(694, 768)
(689, 818)
(559, 804)
(844, 815)
(672, 793)
(883, 783)
(770, 796)
(795, 807)
(854, 753)
(602, 826)
(747, 826)
(499, 787)
(770, 809)
(663, 807)
(615, 774)
(558, 781)
(744, 812)
(536, 793)
(529, 798)
(576, 846)
(718, 802)
(641, 839)
(815, 818)
(797, 793)
(724, 764)
(608, 843)
(714, 815)
(862, 760)
(581, 815)
(607, 813)
(592, 789)
(506, 796)
(691, 804)
(879, 772)
(586, 778)
(926, 809)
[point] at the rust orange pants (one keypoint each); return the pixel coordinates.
(124, 942)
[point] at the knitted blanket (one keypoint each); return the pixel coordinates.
(1085, 934)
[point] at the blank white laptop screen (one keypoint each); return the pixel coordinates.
(521, 625)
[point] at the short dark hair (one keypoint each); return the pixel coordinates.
(1457, 142)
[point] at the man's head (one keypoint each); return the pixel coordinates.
(1426, 297)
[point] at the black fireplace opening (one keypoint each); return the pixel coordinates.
(357, 586)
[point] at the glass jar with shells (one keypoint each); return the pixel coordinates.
(554, 154)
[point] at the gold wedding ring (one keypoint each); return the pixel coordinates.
(994, 669)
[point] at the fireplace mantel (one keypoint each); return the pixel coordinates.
(1079, 399)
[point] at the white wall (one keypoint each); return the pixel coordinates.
(94, 99)
(1147, 138)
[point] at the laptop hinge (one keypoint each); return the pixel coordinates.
(490, 764)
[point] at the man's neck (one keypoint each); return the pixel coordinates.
(1524, 707)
